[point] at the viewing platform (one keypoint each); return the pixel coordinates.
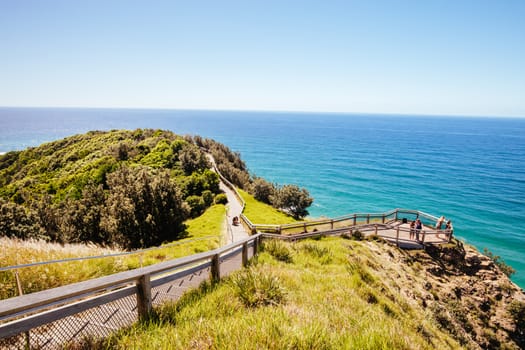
(393, 226)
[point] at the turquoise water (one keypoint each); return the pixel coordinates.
(471, 170)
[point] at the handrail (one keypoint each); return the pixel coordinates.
(140, 251)
(38, 299)
(355, 216)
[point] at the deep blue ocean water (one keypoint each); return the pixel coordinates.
(471, 170)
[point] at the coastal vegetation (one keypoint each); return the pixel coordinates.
(203, 233)
(126, 189)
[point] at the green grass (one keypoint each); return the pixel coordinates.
(261, 213)
(329, 297)
(36, 278)
(209, 223)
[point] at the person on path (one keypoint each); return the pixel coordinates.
(449, 230)
(439, 223)
(419, 226)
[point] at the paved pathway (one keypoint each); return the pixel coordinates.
(234, 208)
(237, 232)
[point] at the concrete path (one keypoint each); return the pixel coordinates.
(233, 233)
(234, 208)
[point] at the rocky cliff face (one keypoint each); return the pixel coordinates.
(465, 292)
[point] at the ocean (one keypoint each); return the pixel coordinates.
(471, 170)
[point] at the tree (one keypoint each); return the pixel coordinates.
(293, 200)
(143, 208)
(17, 221)
(80, 219)
(262, 190)
(192, 159)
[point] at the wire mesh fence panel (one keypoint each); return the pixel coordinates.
(14, 342)
(172, 290)
(231, 262)
(94, 323)
(92, 310)
(251, 252)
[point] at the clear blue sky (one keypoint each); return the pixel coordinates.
(455, 57)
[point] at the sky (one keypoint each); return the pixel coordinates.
(441, 57)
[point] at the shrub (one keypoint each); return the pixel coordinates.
(221, 199)
(293, 200)
(357, 235)
(517, 312)
(257, 288)
(207, 196)
(278, 249)
(506, 269)
(262, 190)
(196, 204)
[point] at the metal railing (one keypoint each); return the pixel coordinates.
(103, 256)
(95, 308)
(346, 221)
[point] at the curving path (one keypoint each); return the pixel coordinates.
(233, 233)
(237, 232)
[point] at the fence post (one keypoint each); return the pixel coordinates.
(375, 229)
(397, 236)
(215, 268)
(396, 214)
(245, 254)
(332, 224)
(144, 296)
(383, 218)
(256, 243)
(355, 219)
(367, 218)
(21, 292)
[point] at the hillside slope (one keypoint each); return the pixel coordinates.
(342, 294)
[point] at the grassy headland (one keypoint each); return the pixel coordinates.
(340, 294)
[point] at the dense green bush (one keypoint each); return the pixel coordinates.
(221, 199)
(263, 190)
(517, 312)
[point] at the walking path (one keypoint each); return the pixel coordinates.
(234, 208)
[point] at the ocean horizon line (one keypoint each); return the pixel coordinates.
(276, 111)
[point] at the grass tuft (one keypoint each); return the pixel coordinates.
(278, 249)
(258, 288)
